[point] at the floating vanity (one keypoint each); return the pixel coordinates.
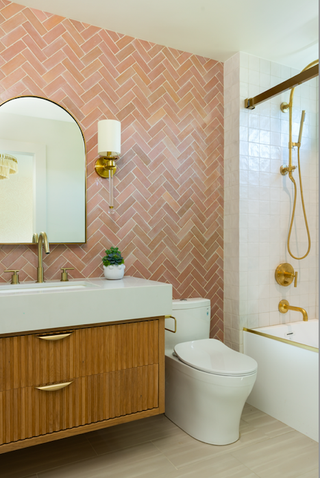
(79, 356)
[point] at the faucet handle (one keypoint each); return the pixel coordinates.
(64, 274)
(15, 275)
(285, 274)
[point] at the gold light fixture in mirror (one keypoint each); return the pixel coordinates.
(8, 165)
(109, 149)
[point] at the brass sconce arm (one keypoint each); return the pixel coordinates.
(106, 166)
(284, 306)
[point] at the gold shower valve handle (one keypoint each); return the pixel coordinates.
(285, 274)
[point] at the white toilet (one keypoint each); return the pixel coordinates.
(207, 383)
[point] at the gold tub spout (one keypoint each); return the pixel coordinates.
(284, 306)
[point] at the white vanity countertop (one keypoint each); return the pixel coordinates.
(29, 306)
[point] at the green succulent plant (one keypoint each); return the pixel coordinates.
(113, 257)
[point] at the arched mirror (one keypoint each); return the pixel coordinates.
(42, 172)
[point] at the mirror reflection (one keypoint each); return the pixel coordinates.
(42, 173)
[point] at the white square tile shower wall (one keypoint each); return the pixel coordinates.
(259, 200)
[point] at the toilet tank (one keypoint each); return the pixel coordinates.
(193, 321)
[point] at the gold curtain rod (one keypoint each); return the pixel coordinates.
(251, 103)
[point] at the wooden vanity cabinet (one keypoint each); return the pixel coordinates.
(109, 374)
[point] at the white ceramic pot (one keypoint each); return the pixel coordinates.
(114, 272)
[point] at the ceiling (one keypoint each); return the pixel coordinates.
(284, 31)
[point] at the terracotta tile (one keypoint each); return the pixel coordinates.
(140, 72)
(108, 94)
(73, 31)
(34, 27)
(125, 100)
(33, 75)
(91, 68)
(13, 64)
(75, 48)
(52, 22)
(125, 112)
(89, 95)
(90, 45)
(125, 76)
(13, 22)
(13, 78)
(170, 104)
(91, 55)
(94, 268)
(11, 9)
(144, 272)
(73, 89)
(142, 61)
(13, 50)
(87, 32)
(124, 41)
(125, 52)
(106, 37)
(12, 37)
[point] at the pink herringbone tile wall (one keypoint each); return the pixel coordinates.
(169, 184)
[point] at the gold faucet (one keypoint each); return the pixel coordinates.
(41, 239)
(284, 307)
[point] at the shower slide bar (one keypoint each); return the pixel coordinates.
(250, 103)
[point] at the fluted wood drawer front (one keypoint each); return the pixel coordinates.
(29, 412)
(30, 360)
(118, 347)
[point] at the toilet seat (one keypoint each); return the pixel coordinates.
(214, 357)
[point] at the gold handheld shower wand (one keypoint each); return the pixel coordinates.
(303, 115)
(289, 169)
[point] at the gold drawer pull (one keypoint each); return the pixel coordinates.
(54, 337)
(54, 387)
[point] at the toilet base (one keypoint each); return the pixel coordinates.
(208, 407)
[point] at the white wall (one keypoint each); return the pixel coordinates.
(258, 199)
(16, 203)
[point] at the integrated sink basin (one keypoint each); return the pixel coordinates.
(45, 286)
(34, 306)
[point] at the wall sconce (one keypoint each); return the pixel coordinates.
(109, 149)
(8, 165)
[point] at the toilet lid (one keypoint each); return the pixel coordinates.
(212, 356)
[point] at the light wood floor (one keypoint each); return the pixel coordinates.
(156, 448)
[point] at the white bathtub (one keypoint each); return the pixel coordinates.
(287, 382)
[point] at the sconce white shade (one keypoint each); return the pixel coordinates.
(109, 137)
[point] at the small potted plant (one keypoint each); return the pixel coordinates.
(113, 264)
